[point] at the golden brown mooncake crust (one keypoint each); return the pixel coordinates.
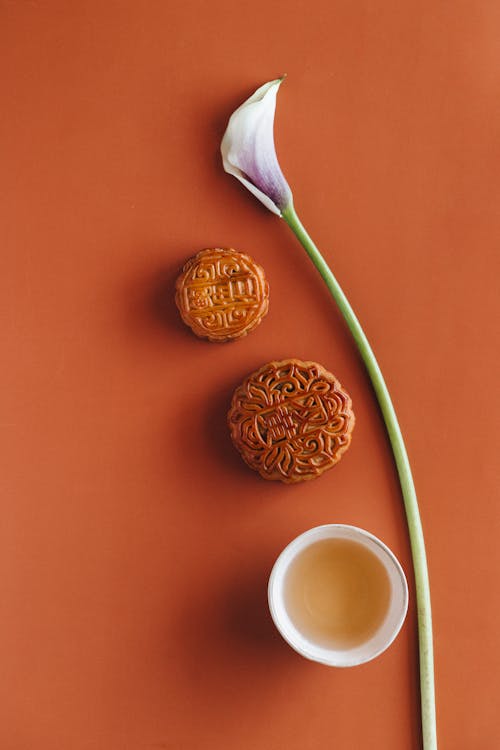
(291, 420)
(222, 294)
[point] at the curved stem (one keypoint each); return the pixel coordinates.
(405, 478)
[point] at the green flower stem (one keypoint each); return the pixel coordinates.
(405, 478)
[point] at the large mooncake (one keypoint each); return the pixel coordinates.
(291, 420)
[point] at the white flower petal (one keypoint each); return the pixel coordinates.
(248, 151)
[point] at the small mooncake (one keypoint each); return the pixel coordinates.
(291, 420)
(222, 294)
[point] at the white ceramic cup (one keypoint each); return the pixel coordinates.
(388, 629)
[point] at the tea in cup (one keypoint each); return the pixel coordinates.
(338, 595)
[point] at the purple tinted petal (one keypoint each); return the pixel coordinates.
(248, 147)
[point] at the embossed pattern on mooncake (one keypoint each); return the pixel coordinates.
(222, 294)
(291, 420)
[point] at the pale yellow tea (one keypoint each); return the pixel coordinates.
(337, 593)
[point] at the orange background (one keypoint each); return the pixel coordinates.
(135, 544)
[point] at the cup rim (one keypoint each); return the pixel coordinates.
(296, 639)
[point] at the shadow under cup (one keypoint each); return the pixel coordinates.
(338, 595)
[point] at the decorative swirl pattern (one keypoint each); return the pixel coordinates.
(291, 420)
(222, 294)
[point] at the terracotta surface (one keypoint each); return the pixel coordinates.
(135, 544)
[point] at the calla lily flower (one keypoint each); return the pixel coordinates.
(248, 151)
